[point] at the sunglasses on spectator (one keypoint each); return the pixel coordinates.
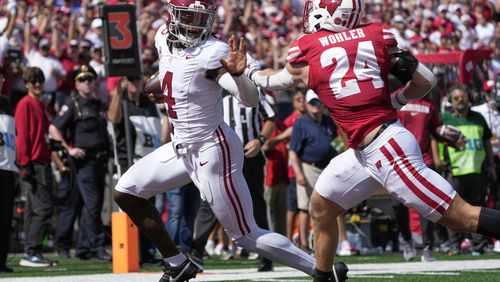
(36, 80)
(85, 79)
(459, 98)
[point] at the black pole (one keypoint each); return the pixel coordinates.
(128, 134)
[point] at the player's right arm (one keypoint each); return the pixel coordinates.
(284, 78)
(295, 71)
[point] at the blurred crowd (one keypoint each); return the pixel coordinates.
(63, 38)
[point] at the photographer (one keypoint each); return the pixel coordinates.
(88, 145)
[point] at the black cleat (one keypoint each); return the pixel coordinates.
(340, 272)
(181, 273)
(265, 265)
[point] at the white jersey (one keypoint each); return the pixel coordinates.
(193, 102)
(7, 143)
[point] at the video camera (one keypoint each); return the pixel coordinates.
(14, 54)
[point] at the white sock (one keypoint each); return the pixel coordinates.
(176, 260)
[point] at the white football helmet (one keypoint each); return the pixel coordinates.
(334, 15)
(190, 21)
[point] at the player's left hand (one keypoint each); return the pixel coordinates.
(236, 61)
(252, 148)
(153, 89)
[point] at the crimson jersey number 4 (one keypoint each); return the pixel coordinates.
(365, 68)
(168, 99)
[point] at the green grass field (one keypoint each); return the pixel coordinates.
(77, 267)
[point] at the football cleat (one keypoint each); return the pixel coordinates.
(181, 273)
(340, 272)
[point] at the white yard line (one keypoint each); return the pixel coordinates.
(356, 270)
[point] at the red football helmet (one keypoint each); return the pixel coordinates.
(190, 21)
(334, 15)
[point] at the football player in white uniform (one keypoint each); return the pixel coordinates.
(203, 149)
(351, 82)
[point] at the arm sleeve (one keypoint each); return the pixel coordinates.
(23, 142)
(241, 87)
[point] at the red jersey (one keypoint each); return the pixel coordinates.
(277, 159)
(349, 72)
(421, 118)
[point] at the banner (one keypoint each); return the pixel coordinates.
(148, 131)
(466, 60)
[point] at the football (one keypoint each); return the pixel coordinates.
(153, 84)
(152, 88)
(451, 136)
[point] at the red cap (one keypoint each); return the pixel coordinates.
(489, 85)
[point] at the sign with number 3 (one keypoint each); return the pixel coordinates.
(121, 45)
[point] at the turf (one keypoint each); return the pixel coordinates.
(78, 267)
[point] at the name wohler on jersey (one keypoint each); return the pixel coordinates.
(341, 36)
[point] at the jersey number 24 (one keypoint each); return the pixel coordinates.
(365, 67)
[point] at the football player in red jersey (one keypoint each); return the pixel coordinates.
(203, 148)
(347, 65)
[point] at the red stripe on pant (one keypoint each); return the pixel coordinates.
(233, 189)
(421, 195)
(440, 194)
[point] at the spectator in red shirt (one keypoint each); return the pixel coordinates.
(70, 60)
(32, 129)
(298, 101)
(276, 182)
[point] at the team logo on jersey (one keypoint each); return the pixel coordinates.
(63, 110)
(378, 164)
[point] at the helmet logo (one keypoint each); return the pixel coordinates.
(331, 7)
(197, 5)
